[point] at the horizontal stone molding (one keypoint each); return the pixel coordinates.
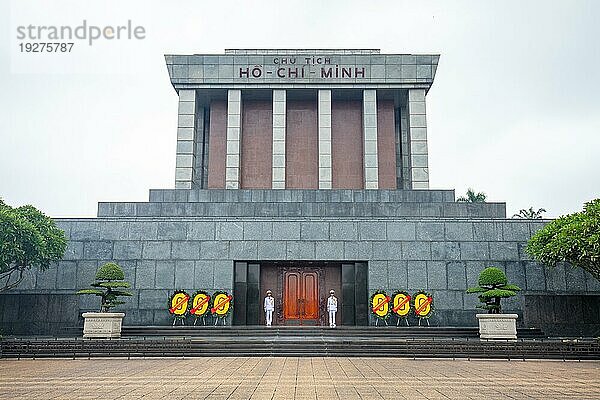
(301, 195)
(303, 209)
(262, 70)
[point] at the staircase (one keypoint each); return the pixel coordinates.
(362, 332)
(413, 342)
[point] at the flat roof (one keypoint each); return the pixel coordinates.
(302, 51)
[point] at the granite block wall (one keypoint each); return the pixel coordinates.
(161, 254)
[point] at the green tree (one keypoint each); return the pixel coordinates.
(472, 197)
(28, 238)
(529, 213)
(109, 286)
(573, 238)
(493, 286)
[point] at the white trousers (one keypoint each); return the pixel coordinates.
(332, 318)
(269, 315)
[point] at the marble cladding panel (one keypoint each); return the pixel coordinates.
(386, 145)
(256, 142)
(347, 167)
(302, 145)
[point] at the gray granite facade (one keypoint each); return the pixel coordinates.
(162, 253)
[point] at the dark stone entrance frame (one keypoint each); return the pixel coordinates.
(248, 298)
(355, 293)
(246, 295)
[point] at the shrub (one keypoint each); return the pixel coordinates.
(109, 286)
(493, 286)
(573, 238)
(28, 238)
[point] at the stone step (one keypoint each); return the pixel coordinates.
(419, 348)
(291, 331)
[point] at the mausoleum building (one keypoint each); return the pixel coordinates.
(302, 171)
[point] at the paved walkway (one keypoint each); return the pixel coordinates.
(297, 378)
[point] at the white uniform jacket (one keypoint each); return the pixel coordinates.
(269, 303)
(332, 303)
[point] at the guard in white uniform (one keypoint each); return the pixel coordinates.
(332, 304)
(269, 307)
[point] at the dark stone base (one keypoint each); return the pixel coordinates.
(564, 315)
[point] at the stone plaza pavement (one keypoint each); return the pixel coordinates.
(297, 378)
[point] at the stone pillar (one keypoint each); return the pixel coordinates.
(200, 172)
(402, 148)
(278, 165)
(324, 121)
(205, 147)
(370, 139)
(419, 171)
(185, 160)
(234, 136)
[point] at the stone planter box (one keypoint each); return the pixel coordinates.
(102, 325)
(497, 326)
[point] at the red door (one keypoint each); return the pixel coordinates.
(301, 297)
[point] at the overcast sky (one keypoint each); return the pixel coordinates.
(514, 110)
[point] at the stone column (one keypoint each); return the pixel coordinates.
(204, 144)
(278, 165)
(324, 121)
(419, 171)
(402, 148)
(234, 136)
(371, 168)
(185, 160)
(200, 171)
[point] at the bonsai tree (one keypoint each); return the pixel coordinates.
(472, 197)
(493, 286)
(28, 238)
(573, 238)
(110, 284)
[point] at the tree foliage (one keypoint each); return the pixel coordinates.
(493, 286)
(28, 238)
(529, 213)
(573, 238)
(109, 285)
(472, 197)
